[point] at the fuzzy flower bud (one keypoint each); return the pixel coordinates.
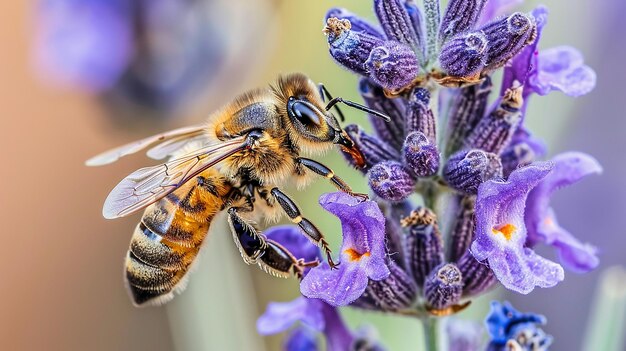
(443, 287)
(463, 229)
(420, 117)
(477, 276)
(396, 292)
(423, 243)
(494, 131)
(466, 170)
(391, 181)
(507, 37)
(392, 65)
(464, 55)
(420, 155)
(396, 23)
(460, 16)
(468, 108)
(391, 132)
(350, 48)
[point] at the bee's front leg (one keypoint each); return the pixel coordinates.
(292, 210)
(328, 173)
(254, 247)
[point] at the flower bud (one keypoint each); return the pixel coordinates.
(391, 181)
(423, 243)
(417, 20)
(392, 65)
(468, 108)
(477, 276)
(463, 229)
(494, 131)
(420, 155)
(460, 16)
(464, 55)
(357, 23)
(373, 149)
(466, 170)
(396, 23)
(391, 132)
(396, 292)
(420, 117)
(507, 37)
(443, 287)
(350, 48)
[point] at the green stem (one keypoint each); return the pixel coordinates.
(431, 333)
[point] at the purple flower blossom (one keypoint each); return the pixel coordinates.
(362, 257)
(313, 313)
(510, 329)
(561, 68)
(501, 233)
(569, 168)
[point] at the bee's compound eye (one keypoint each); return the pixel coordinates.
(304, 113)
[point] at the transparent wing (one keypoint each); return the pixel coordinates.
(172, 146)
(179, 134)
(148, 185)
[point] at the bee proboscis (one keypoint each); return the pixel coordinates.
(236, 163)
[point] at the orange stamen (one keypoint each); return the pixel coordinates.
(505, 229)
(354, 255)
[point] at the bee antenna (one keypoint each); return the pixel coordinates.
(353, 104)
(325, 93)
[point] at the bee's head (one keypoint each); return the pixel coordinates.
(315, 124)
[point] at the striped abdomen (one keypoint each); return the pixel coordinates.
(168, 238)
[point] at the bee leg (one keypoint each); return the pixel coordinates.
(271, 256)
(292, 210)
(249, 241)
(324, 171)
(278, 261)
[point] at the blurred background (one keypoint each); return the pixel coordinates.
(82, 76)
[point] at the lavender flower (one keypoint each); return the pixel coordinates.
(501, 233)
(362, 252)
(561, 68)
(480, 175)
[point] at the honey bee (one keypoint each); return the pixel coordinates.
(236, 163)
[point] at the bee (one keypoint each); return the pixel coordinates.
(237, 162)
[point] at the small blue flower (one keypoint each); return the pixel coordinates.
(509, 328)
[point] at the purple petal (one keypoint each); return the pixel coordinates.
(521, 269)
(279, 316)
(574, 255)
(363, 255)
(292, 238)
(562, 69)
(501, 233)
(337, 287)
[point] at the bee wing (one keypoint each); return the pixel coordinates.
(172, 146)
(150, 184)
(130, 148)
